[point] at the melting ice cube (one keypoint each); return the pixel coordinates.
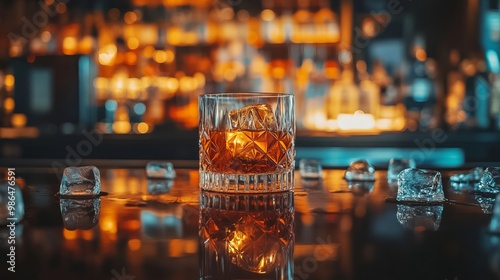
(11, 203)
(253, 117)
(428, 217)
(80, 213)
(490, 181)
(310, 169)
(81, 181)
(397, 165)
(495, 220)
(420, 185)
(360, 170)
(160, 170)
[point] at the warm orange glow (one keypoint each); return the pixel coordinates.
(130, 58)
(170, 56)
(160, 56)
(69, 45)
(357, 121)
(49, 2)
(186, 116)
(70, 234)
(132, 43)
(19, 120)
(134, 244)
(134, 88)
(121, 127)
(86, 45)
(420, 54)
(61, 8)
(9, 82)
(87, 235)
(108, 224)
(107, 55)
(188, 84)
(278, 72)
(169, 85)
(267, 15)
(175, 36)
(46, 36)
(142, 128)
(9, 104)
(229, 75)
(190, 246)
(175, 248)
(130, 17)
(200, 77)
(148, 51)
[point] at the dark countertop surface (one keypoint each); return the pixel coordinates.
(146, 231)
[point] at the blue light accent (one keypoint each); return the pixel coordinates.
(139, 108)
(492, 58)
(111, 105)
(340, 157)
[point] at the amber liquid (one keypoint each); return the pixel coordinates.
(245, 151)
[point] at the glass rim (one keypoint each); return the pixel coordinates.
(246, 95)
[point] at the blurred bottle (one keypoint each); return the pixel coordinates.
(343, 97)
(421, 96)
(477, 91)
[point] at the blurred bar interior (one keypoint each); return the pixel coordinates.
(384, 78)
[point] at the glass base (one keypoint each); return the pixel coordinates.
(247, 183)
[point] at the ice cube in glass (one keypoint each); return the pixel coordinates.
(11, 203)
(80, 181)
(80, 213)
(397, 165)
(495, 219)
(253, 117)
(420, 185)
(490, 181)
(310, 169)
(360, 170)
(160, 170)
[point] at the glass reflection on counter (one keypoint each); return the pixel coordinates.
(487, 203)
(159, 186)
(250, 236)
(420, 218)
(166, 223)
(80, 213)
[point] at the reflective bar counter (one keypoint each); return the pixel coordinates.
(150, 229)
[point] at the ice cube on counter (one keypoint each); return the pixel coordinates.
(310, 169)
(11, 203)
(490, 181)
(80, 181)
(472, 175)
(160, 170)
(397, 165)
(420, 185)
(360, 170)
